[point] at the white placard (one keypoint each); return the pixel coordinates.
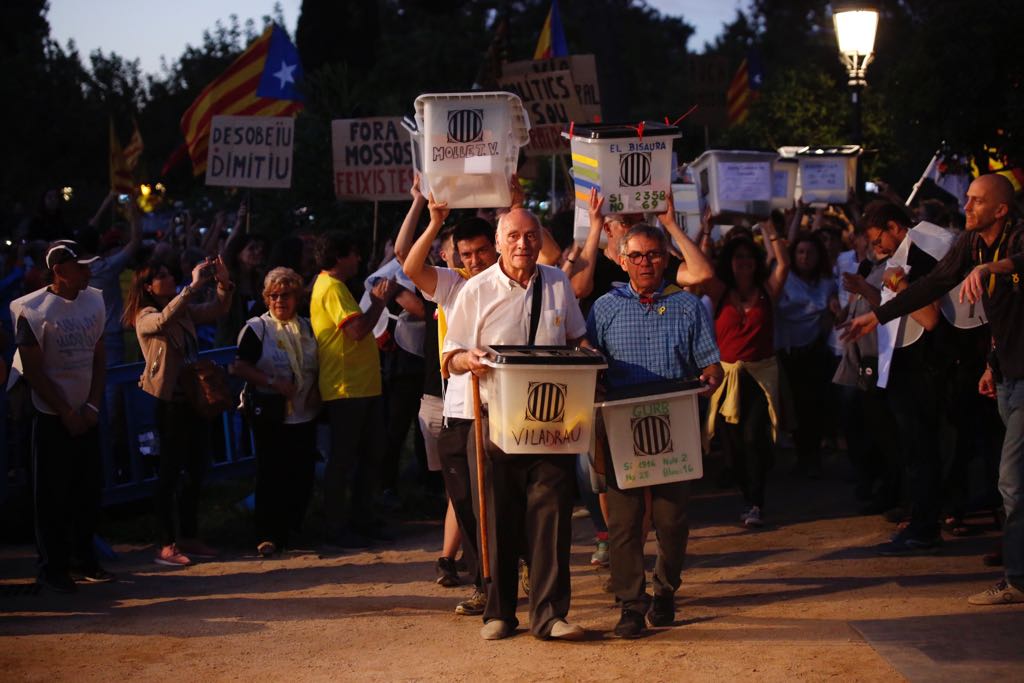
(744, 181)
(823, 174)
(372, 159)
(250, 151)
(780, 184)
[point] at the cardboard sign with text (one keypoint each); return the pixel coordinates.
(372, 159)
(250, 151)
(584, 77)
(551, 102)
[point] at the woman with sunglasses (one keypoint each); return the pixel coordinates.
(277, 357)
(165, 323)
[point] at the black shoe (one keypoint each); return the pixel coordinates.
(96, 574)
(348, 540)
(447, 574)
(631, 624)
(460, 564)
(58, 583)
(903, 544)
(662, 611)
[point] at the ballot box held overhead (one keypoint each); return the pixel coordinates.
(784, 172)
(654, 433)
(629, 165)
(469, 146)
(735, 183)
(540, 399)
(827, 174)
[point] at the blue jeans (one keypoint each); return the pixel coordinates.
(1010, 393)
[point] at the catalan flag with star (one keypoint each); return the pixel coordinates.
(551, 42)
(261, 82)
(744, 87)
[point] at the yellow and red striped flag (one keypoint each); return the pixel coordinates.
(120, 173)
(743, 88)
(261, 82)
(134, 149)
(551, 42)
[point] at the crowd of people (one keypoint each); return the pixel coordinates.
(821, 327)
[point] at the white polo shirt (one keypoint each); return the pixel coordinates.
(492, 308)
(449, 284)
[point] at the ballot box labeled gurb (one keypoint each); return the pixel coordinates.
(540, 399)
(654, 433)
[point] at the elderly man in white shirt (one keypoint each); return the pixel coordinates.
(530, 495)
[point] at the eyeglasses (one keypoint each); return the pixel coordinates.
(637, 257)
(280, 296)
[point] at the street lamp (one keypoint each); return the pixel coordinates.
(855, 32)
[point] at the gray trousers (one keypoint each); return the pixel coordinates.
(626, 540)
(529, 514)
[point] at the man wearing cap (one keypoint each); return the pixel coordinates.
(650, 331)
(59, 334)
(530, 495)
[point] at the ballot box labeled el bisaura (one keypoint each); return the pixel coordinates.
(654, 433)
(540, 399)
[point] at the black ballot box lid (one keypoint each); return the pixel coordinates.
(670, 386)
(543, 355)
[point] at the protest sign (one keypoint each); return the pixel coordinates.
(584, 77)
(250, 151)
(372, 159)
(550, 100)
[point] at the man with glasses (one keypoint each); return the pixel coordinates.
(530, 495)
(651, 332)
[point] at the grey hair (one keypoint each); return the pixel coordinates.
(504, 218)
(281, 278)
(643, 230)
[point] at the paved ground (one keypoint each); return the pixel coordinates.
(780, 604)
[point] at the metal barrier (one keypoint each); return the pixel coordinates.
(131, 443)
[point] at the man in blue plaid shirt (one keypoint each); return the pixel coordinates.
(650, 332)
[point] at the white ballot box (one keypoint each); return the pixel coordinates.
(654, 433)
(827, 174)
(735, 183)
(540, 399)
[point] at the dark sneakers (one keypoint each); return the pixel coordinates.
(447, 574)
(662, 611)
(57, 582)
(96, 574)
(631, 625)
(903, 544)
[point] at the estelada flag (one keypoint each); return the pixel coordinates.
(551, 42)
(743, 88)
(261, 82)
(123, 161)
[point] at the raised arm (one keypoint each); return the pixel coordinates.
(696, 268)
(229, 253)
(407, 234)
(780, 271)
(415, 265)
(582, 277)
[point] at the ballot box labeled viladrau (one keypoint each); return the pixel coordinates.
(540, 399)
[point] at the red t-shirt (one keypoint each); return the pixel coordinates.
(746, 337)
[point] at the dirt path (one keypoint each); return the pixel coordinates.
(770, 605)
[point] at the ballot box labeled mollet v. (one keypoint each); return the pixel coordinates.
(467, 146)
(654, 433)
(540, 399)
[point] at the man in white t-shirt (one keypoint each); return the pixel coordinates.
(530, 495)
(473, 240)
(59, 333)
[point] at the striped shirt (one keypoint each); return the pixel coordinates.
(669, 338)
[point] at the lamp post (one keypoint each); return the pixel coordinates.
(855, 26)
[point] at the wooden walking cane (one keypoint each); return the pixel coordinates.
(478, 433)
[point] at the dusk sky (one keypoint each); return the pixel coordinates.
(146, 30)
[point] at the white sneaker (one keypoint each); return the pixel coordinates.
(752, 518)
(496, 629)
(563, 630)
